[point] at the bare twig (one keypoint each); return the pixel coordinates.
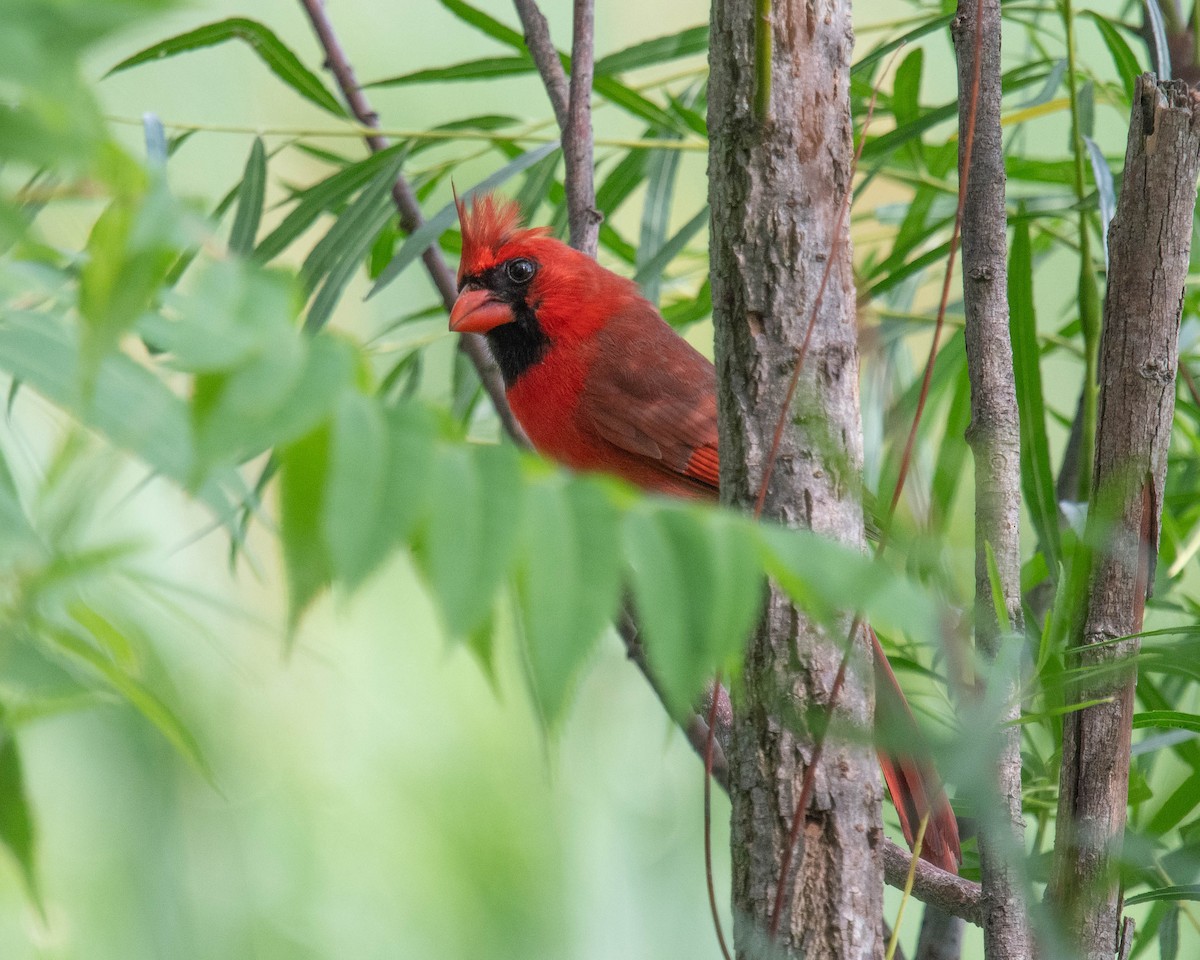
(572, 105)
(582, 214)
(1150, 243)
(472, 345)
(545, 56)
(995, 439)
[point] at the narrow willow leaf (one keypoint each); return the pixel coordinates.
(326, 195)
(475, 500)
(656, 212)
(1037, 476)
(1104, 187)
(951, 455)
(304, 472)
(1158, 33)
(622, 179)
(270, 49)
(351, 253)
(569, 579)
(649, 53)
(354, 231)
(17, 832)
(1123, 57)
(682, 313)
(1176, 719)
(1168, 936)
(408, 477)
(536, 188)
(906, 97)
(872, 58)
(427, 234)
(633, 103)
(77, 651)
(1183, 891)
(649, 275)
(487, 68)
(354, 526)
(251, 197)
(485, 23)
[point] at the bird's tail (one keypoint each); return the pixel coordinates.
(911, 779)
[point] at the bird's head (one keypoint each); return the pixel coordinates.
(514, 275)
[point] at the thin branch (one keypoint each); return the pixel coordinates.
(995, 438)
(1150, 243)
(410, 212)
(572, 105)
(582, 214)
(545, 56)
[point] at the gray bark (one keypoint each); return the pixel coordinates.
(995, 438)
(941, 935)
(776, 185)
(1149, 245)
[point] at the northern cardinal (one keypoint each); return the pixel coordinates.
(600, 382)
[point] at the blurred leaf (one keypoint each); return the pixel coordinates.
(427, 234)
(1037, 476)
(353, 508)
(250, 201)
(79, 652)
(1158, 34)
(877, 54)
(1168, 936)
(16, 814)
(234, 313)
(569, 580)
(698, 592)
(472, 530)
(304, 471)
(270, 49)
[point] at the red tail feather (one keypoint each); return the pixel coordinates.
(911, 779)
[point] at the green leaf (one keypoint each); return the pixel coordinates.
(326, 195)
(304, 472)
(129, 405)
(649, 53)
(487, 68)
(1037, 476)
(1175, 719)
(484, 23)
(649, 275)
(280, 396)
(78, 652)
(235, 312)
(17, 832)
(427, 234)
(270, 49)
(1123, 57)
(569, 579)
(636, 105)
(251, 197)
(1183, 891)
(872, 58)
(697, 587)
(353, 513)
(471, 534)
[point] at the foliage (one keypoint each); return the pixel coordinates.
(197, 355)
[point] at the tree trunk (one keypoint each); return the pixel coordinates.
(1149, 245)
(779, 168)
(995, 438)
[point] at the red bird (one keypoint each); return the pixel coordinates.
(601, 382)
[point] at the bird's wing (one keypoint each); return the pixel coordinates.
(652, 394)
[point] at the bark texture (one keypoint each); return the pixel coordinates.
(776, 184)
(995, 438)
(1149, 244)
(941, 936)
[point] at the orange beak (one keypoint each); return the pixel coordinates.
(476, 312)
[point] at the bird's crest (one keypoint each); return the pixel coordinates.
(489, 224)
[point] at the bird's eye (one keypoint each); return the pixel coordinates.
(520, 270)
